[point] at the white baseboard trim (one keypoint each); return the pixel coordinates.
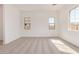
(41, 36)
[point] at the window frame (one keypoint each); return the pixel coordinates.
(27, 28)
(51, 23)
(69, 24)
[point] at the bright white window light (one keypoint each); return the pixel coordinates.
(51, 20)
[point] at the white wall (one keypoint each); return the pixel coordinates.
(70, 36)
(39, 21)
(11, 23)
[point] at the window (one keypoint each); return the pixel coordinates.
(51, 23)
(74, 19)
(27, 23)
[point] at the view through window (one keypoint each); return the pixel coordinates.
(51, 23)
(74, 19)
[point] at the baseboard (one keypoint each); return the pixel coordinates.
(39, 36)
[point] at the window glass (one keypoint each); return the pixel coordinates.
(74, 19)
(51, 23)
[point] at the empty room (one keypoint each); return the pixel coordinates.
(39, 28)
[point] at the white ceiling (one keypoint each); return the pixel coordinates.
(38, 7)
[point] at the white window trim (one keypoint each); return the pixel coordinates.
(69, 28)
(52, 23)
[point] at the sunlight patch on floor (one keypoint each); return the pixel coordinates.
(62, 47)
